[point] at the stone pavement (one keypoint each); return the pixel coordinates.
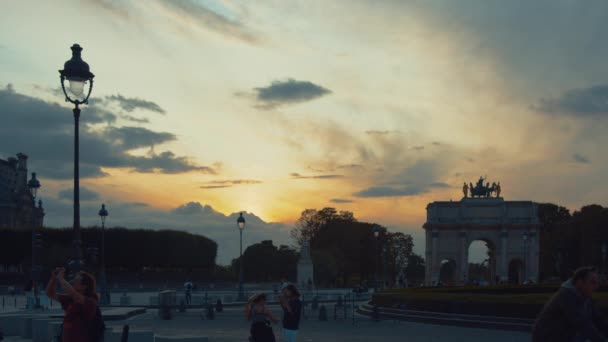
(231, 326)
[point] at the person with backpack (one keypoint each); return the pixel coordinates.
(82, 321)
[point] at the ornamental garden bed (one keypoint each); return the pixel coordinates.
(506, 301)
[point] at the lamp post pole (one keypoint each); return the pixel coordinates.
(77, 72)
(376, 231)
(604, 251)
(241, 225)
(525, 270)
(33, 184)
(105, 295)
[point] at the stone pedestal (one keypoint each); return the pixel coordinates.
(305, 268)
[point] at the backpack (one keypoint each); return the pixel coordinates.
(96, 327)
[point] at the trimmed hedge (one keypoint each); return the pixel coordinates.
(507, 301)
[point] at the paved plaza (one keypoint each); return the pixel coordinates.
(232, 326)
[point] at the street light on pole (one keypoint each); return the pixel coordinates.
(33, 185)
(105, 295)
(77, 73)
(241, 224)
(376, 231)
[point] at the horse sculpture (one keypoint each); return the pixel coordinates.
(481, 190)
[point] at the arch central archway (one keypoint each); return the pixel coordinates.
(481, 262)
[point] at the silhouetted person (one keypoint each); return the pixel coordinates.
(570, 315)
(260, 317)
(292, 310)
(82, 321)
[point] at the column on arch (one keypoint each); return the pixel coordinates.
(463, 263)
(503, 261)
(532, 257)
(435, 262)
(428, 258)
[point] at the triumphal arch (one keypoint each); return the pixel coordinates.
(509, 228)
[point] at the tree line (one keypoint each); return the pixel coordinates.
(126, 250)
(570, 240)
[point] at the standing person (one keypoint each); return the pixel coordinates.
(570, 315)
(188, 288)
(260, 317)
(82, 321)
(292, 310)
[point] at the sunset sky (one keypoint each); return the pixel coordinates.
(201, 109)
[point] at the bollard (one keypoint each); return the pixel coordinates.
(315, 303)
(323, 313)
(125, 334)
(219, 307)
(376, 313)
(210, 313)
(15, 302)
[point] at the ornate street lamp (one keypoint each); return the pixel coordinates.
(240, 222)
(33, 185)
(105, 295)
(77, 73)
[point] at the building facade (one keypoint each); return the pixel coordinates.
(509, 229)
(18, 208)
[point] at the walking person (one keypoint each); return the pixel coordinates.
(570, 315)
(292, 311)
(260, 317)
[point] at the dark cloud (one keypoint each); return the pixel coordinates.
(579, 158)
(221, 184)
(350, 166)
(136, 137)
(208, 19)
(193, 208)
(389, 191)
(340, 200)
(235, 181)
(582, 102)
(45, 132)
(534, 44)
(418, 178)
(86, 194)
(215, 186)
(288, 92)
(299, 176)
(134, 119)
(380, 133)
(130, 104)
